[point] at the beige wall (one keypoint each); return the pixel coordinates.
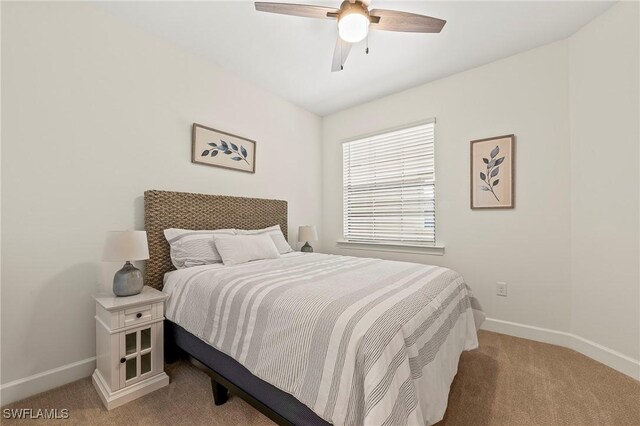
(569, 251)
(95, 112)
(605, 135)
(528, 247)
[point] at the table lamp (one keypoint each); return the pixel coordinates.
(307, 233)
(126, 246)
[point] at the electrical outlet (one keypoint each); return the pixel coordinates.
(501, 289)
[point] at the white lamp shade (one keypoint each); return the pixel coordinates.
(125, 245)
(307, 233)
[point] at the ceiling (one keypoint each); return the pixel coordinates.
(291, 56)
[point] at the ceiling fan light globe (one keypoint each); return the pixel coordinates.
(353, 27)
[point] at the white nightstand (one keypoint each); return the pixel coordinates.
(129, 346)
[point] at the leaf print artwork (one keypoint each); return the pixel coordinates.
(492, 173)
(231, 148)
(221, 149)
(493, 170)
(228, 149)
(213, 152)
(495, 151)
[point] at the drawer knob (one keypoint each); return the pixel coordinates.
(123, 360)
(139, 315)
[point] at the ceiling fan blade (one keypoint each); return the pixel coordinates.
(394, 20)
(304, 10)
(340, 54)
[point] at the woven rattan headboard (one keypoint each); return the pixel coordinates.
(164, 209)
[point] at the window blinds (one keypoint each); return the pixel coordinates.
(389, 187)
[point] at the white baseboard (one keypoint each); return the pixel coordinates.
(608, 357)
(530, 332)
(28, 386)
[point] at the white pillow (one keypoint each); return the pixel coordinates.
(194, 248)
(276, 235)
(236, 249)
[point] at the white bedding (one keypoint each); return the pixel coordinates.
(358, 340)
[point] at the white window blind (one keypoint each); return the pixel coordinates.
(389, 187)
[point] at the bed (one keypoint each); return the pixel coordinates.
(311, 339)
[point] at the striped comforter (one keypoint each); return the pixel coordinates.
(358, 340)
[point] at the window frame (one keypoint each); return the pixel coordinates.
(434, 248)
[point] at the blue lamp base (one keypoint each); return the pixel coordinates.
(127, 281)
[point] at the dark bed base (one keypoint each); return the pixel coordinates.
(229, 376)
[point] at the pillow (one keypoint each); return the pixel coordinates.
(236, 249)
(276, 235)
(194, 248)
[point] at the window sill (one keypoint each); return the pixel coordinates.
(434, 250)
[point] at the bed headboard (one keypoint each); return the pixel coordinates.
(166, 209)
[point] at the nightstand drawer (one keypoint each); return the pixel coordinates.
(115, 320)
(137, 315)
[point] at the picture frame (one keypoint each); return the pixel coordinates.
(492, 173)
(216, 148)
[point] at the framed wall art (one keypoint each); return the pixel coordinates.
(493, 172)
(221, 149)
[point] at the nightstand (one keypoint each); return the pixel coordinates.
(129, 346)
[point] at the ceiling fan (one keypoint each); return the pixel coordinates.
(354, 21)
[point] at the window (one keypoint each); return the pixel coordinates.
(389, 187)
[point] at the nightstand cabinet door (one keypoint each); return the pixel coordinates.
(140, 353)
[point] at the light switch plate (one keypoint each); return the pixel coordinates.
(501, 289)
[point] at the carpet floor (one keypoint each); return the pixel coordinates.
(508, 381)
